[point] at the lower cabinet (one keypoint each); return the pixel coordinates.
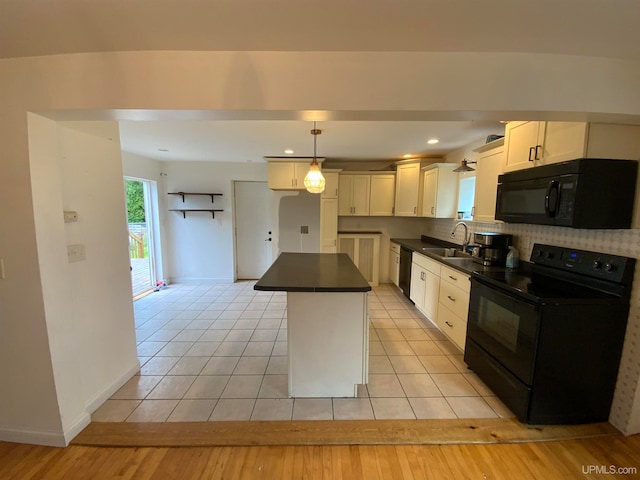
(364, 251)
(425, 285)
(442, 295)
(394, 263)
(453, 305)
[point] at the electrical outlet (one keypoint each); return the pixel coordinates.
(76, 253)
(304, 229)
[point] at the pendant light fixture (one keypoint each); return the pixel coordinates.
(464, 166)
(314, 181)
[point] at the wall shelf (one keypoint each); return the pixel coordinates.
(185, 210)
(183, 194)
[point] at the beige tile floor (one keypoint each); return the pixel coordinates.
(219, 352)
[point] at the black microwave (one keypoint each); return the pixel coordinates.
(581, 193)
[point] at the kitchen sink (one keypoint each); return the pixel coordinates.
(448, 253)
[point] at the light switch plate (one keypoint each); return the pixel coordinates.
(70, 216)
(76, 253)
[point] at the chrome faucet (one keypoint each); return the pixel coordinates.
(465, 242)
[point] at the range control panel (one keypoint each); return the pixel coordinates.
(592, 264)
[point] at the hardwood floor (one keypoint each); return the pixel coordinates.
(567, 459)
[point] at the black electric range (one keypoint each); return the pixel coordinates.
(547, 338)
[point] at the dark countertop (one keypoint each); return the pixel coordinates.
(313, 272)
(418, 245)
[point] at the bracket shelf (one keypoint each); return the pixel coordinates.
(185, 210)
(183, 194)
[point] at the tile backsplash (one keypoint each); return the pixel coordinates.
(619, 242)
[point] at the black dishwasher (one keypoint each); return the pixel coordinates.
(404, 281)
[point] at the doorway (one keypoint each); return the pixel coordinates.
(140, 226)
(253, 233)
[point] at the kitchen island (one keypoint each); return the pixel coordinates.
(327, 322)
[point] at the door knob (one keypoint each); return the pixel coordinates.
(268, 239)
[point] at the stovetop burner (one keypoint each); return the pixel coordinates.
(558, 274)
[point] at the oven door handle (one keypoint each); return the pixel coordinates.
(551, 203)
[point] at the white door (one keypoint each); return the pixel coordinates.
(253, 229)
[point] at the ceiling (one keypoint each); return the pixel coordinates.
(570, 27)
(251, 140)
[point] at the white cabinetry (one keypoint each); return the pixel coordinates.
(491, 162)
(407, 189)
(328, 225)
(394, 263)
(382, 197)
(530, 144)
(425, 281)
(364, 251)
(453, 308)
(286, 175)
(440, 190)
(331, 185)
(354, 194)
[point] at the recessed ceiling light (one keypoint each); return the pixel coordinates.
(407, 155)
(288, 151)
(163, 149)
(433, 141)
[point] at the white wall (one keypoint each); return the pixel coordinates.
(274, 84)
(199, 248)
(88, 307)
(294, 211)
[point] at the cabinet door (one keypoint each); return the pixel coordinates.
(431, 295)
(345, 207)
(299, 172)
(521, 138)
(382, 195)
(366, 258)
(281, 176)
(394, 267)
(331, 185)
(430, 193)
(490, 165)
(418, 279)
(564, 141)
(360, 194)
(348, 245)
(407, 190)
(328, 225)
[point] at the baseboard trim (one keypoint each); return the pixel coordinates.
(94, 403)
(199, 280)
(47, 438)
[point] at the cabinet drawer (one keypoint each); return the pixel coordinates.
(454, 298)
(455, 277)
(395, 247)
(452, 326)
(426, 263)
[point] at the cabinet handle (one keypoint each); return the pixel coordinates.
(455, 279)
(432, 209)
(415, 210)
(336, 192)
(449, 324)
(421, 275)
(398, 260)
(537, 147)
(451, 298)
(531, 151)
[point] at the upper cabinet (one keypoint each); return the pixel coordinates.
(440, 190)
(287, 175)
(490, 164)
(353, 194)
(383, 187)
(530, 144)
(331, 185)
(407, 189)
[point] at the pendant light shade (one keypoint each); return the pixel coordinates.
(464, 166)
(314, 181)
